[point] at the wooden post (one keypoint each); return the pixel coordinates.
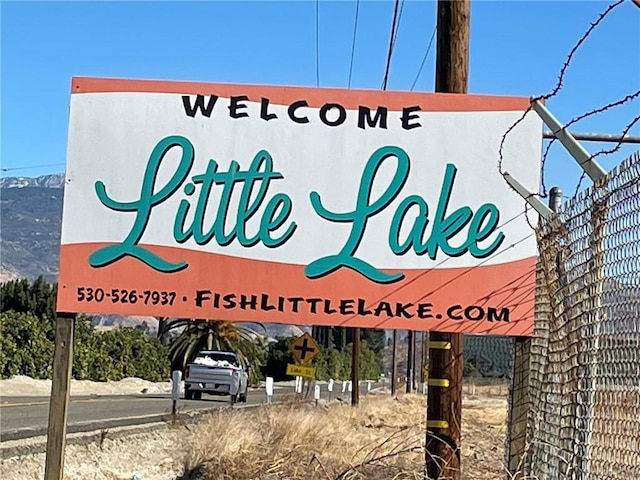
(444, 412)
(59, 401)
(410, 361)
(394, 364)
(414, 362)
(421, 376)
(355, 370)
(424, 360)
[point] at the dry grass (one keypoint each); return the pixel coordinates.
(290, 442)
(381, 439)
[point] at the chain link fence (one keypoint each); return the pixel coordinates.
(488, 356)
(584, 376)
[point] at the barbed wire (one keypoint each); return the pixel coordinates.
(585, 35)
(611, 150)
(619, 143)
(543, 163)
(556, 89)
(575, 120)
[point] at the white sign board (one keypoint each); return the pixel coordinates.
(298, 205)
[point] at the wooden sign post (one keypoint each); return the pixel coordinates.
(59, 401)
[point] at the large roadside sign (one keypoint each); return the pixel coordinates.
(298, 205)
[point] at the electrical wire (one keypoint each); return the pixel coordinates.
(385, 80)
(353, 42)
(424, 58)
(395, 37)
(465, 272)
(10, 169)
(439, 264)
(317, 44)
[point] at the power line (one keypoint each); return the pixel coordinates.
(424, 59)
(434, 268)
(464, 272)
(10, 169)
(317, 44)
(395, 37)
(353, 41)
(391, 41)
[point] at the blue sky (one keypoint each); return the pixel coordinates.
(517, 47)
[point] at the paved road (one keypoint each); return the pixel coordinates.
(22, 417)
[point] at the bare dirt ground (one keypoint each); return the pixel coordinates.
(21, 386)
(287, 442)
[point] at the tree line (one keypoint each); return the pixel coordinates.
(27, 322)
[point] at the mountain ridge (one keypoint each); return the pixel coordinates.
(53, 180)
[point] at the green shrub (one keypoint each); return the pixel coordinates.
(27, 340)
(25, 348)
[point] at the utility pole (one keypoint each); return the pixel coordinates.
(444, 412)
(410, 362)
(394, 364)
(355, 370)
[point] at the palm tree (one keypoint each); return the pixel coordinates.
(162, 328)
(195, 335)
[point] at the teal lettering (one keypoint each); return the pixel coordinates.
(247, 208)
(445, 225)
(273, 230)
(419, 226)
(276, 213)
(478, 232)
(364, 209)
(189, 222)
(143, 206)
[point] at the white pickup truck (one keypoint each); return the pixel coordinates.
(216, 373)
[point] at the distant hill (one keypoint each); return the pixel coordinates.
(30, 219)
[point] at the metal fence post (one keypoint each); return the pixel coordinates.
(519, 394)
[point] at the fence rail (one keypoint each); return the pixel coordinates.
(584, 378)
